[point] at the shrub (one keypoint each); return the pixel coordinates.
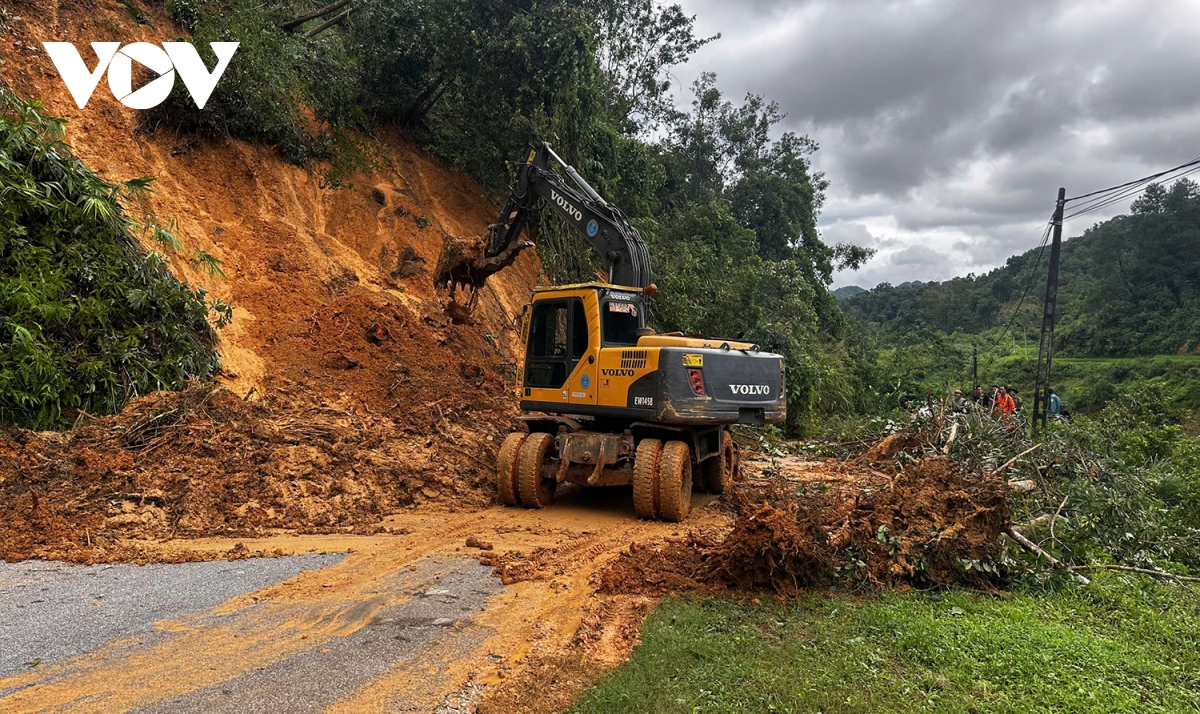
(88, 319)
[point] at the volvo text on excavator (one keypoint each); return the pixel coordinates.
(609, 401)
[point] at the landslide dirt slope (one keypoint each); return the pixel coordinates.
(349, 392)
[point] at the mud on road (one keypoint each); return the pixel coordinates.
(409, 620)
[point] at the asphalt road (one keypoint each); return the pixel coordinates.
(168, 639)
(50, 611)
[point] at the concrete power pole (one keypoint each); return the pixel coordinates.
(1041, 390)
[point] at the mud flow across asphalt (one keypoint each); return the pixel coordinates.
(410, 620)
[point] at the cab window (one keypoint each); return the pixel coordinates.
(620, 320)
(558, 338)
(548, 330)
(579, 331)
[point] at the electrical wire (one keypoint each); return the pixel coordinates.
(1143, 180)
(1108, 200)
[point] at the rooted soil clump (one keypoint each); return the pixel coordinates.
(931, 523)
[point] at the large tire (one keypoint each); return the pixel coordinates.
(716, 472)
(675, 482)
(535, 491)
(506, 468)
(645, 478)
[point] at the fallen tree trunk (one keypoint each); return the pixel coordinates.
(320, 12)
(332, 21)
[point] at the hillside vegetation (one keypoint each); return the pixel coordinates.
(1129, 286)
(88, 318)
(1128, 314)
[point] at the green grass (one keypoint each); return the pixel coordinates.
(1115, 646)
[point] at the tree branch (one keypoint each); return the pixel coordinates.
(1008, 464)
(301, 19)
(331, 22)
(1033, 548)
(1131, 569)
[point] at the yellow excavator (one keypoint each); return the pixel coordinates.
(609, 401)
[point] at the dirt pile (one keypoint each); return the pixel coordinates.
(930, 523)
(353, 384)
(207, 462)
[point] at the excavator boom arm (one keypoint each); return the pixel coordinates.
(603, 225)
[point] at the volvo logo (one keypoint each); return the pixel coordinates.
(566, 206)
(750, 389)
(617, 372)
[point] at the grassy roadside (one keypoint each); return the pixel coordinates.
(1120, 644)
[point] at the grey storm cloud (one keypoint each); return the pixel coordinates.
(960, 120)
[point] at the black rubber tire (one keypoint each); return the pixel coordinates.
(535, 491)
(645, 478)
(716, 472)
(506, 468)
(675, 482)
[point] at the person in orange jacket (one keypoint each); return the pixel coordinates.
(1004, 402)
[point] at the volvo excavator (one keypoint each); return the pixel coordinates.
(608, 401)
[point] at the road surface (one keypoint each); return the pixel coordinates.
(408, 622)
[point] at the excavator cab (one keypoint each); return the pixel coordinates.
(588, 352)
(572, 336)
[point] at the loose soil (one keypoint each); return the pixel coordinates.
(348, 390)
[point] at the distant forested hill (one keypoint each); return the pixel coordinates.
(1128, 286)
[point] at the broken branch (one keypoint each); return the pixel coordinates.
(1131, 569)
(949, 441)
(330, 23)
(320, 12)
(1008, 464)
(1033, 548)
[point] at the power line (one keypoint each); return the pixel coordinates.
(1104, 201)
(1143, 180)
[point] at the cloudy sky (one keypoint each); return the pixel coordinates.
(946, 128)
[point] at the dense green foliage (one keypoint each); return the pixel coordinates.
(1128, 286)
(87, 318)
(727, 204)
(1127, 481)
(1120, 645)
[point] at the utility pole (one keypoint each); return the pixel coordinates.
(1041, 389)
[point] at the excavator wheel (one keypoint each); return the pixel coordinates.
(645, 477)
(716, 473)
(506, 468)
(675, 482)
(535, 491)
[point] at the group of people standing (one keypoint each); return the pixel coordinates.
(1003, 401)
